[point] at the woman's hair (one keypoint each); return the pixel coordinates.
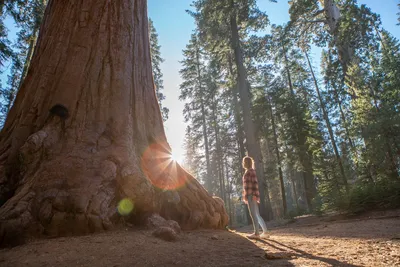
(248, 163)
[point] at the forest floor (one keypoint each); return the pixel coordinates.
(368, 240)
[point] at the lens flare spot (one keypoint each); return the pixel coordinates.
(125, 206)
(160, 167)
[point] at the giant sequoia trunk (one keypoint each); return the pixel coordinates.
(64, 172)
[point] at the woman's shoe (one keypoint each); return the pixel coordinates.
(253, 236)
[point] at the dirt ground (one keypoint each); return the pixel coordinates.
(370, 240)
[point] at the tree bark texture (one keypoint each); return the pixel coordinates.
(65, 172)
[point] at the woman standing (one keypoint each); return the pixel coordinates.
(251, 196)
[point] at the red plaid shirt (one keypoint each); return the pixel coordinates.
(250, 185)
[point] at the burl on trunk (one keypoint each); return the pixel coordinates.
(86, 131)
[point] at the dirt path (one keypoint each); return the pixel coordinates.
(371, 242)
(308, 242)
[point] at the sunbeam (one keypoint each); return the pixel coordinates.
(161, 167)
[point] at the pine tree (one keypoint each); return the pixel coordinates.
(192, 157)
(28, 17)
(195, 93)
(218, 22)
(292, 101)
(6, 7)
(327, 123)
(376, 83)
(347, 45)
(398, 14)
(156, 61)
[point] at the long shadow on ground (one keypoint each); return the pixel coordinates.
(372, 229)
(303, 254)
(140, 248)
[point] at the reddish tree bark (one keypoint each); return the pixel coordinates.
(65, 172)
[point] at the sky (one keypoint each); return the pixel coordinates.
(174, 27)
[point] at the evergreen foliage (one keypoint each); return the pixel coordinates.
(328, 134)
(156, 61)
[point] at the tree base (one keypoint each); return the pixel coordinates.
(78, 191)
(65, 172)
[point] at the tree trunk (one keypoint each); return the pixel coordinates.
(203, 118)
(219, 160)
(278, 157)
(238, 120)
(253, 147)
(287, 70)
(228, 191)
(64, 172)
(308, 178)
(345, 123)
(223, 181)
(328, 124)
(206, 146)
(294, 189)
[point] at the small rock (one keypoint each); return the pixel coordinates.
(166, 233)
(214, 237)
(155, 221)
(174, 225)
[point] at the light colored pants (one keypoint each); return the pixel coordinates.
(255, 215)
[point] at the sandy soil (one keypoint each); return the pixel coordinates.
(310, 241)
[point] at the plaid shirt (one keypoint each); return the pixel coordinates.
(250, 185)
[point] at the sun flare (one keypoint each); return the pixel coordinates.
(162, 168)
(173, 158)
